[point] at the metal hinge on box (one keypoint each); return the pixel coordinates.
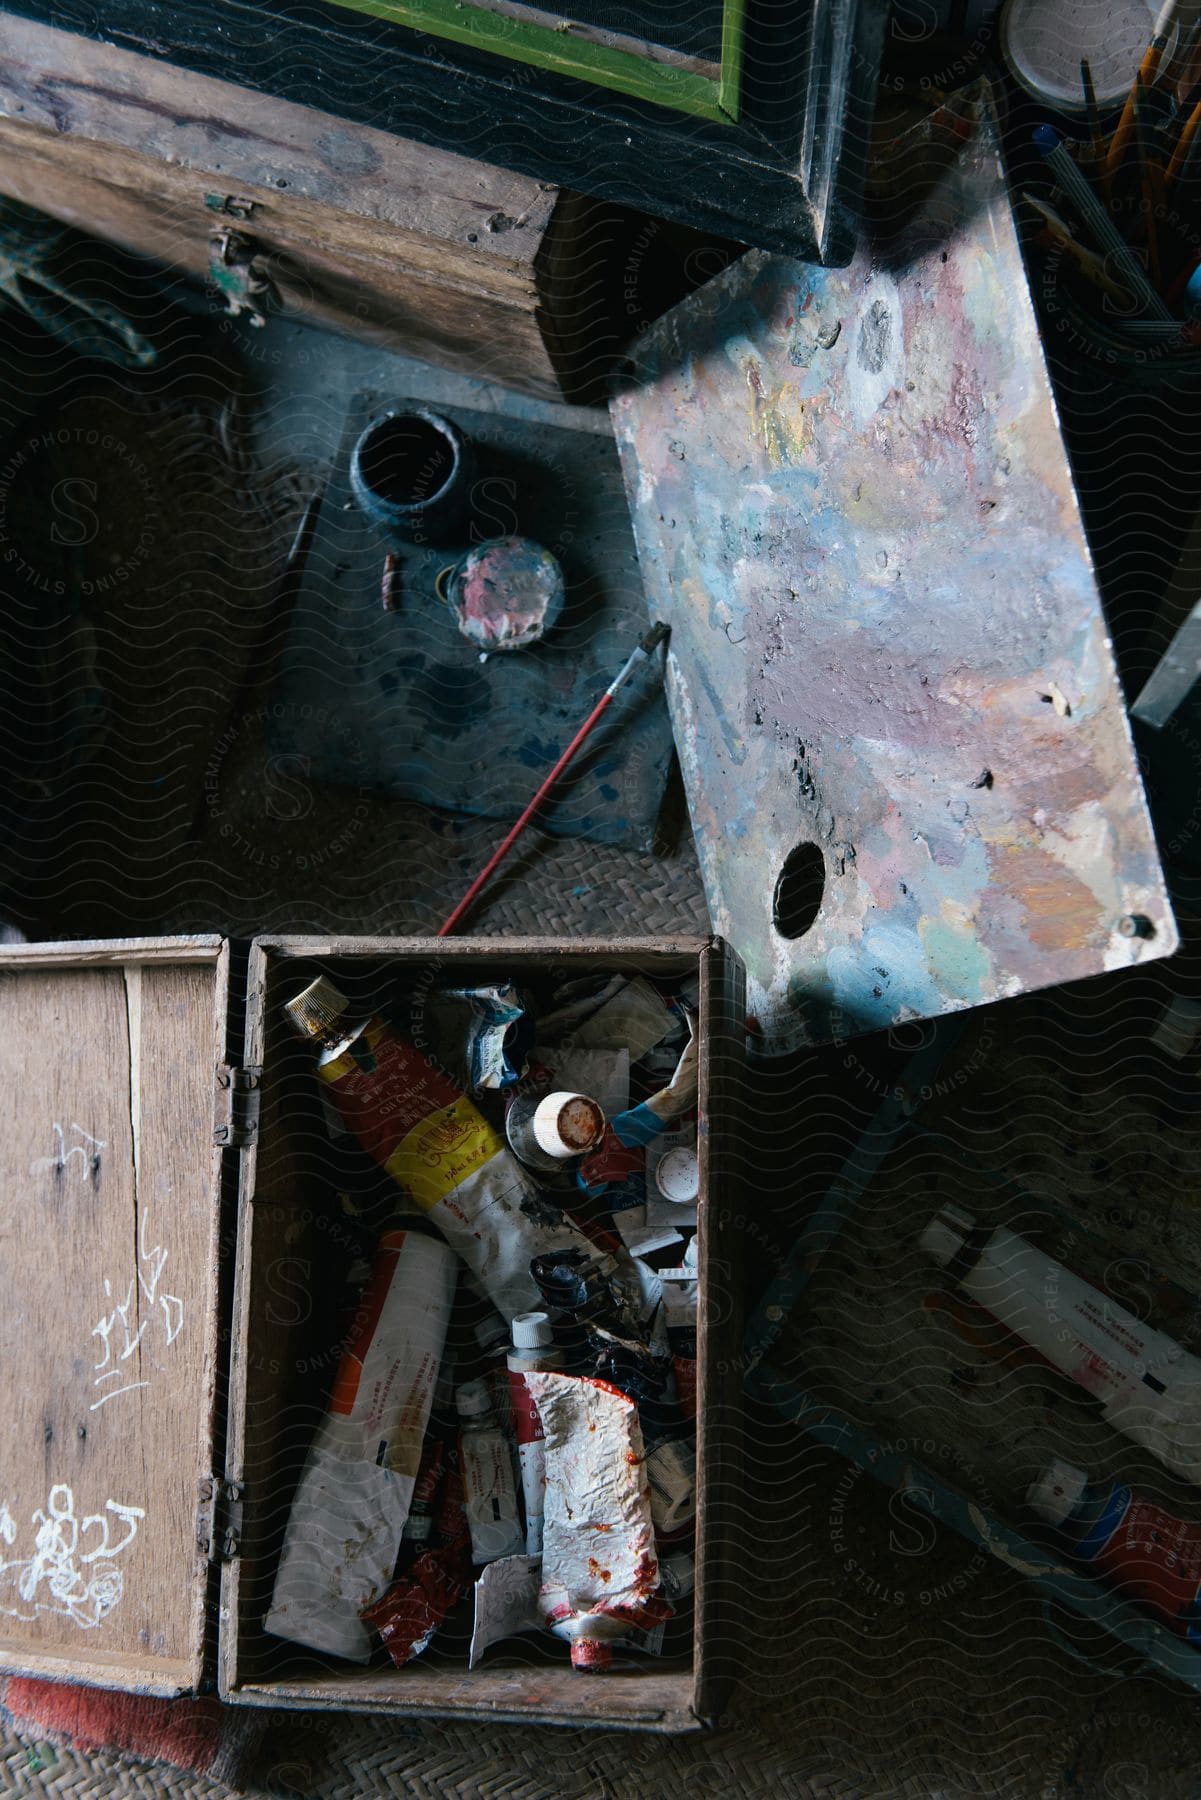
(236, 1117)
(219, 1519)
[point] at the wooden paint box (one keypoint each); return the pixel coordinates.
(163, 1240)
(414, 248)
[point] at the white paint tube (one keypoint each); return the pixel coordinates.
(489, 1492)
(533, 1349)
(1149, 1386)
(671, 1475)
(349, 1512)
(600, 1569)
(436, 1145)
(681, 1293)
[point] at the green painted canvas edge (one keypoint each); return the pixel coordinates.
(545, 48)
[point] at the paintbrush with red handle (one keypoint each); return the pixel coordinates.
(650, 642)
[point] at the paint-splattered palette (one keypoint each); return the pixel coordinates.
(908, 764)
(420, 713)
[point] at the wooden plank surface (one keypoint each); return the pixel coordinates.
(107, 1317)
(363, 232)
(93, 93)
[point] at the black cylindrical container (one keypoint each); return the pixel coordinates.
(411, 473)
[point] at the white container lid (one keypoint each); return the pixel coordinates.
(946, 1234)
(1057, 1492)
(1044, 40)
(567, 1124)
(531, 1330)
(678, 1176)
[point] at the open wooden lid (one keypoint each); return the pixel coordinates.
(108, 1305)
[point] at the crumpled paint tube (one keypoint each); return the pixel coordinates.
(500, 1034)
(600, 1569)
(350, 1508)
(436, 1145)
(409, 1614)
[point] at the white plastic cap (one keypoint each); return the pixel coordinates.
(532, 1330)
(567, 1124)
(678, 1176)
(946, 1234)
(1057, 1492)
(473, 1400)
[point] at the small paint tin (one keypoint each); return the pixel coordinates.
(678, 1176)
(506, 593)
(411, 472)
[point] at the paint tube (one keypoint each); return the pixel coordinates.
(500, 1035)
(677, 1576)
(1149, 1386)
(600, 1569)
(671, 1476)
(348, 1516)
(655, 1068)
(409, 1614)
(506, 1603)
(436, 1146)
(680, 1295)
(533, 1349)
(1146, 1551)
(547, 1130)
(617, 1168)
(640, 1371)
(419, 1526)
(489, 1492)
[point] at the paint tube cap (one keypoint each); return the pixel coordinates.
(317, 1010)
(531, 1330)
(473, 1400)
(946, 1234)
(567, 1124)
(1057, 1492)
(678, 1176)
(592, 1654)
(677, 1575)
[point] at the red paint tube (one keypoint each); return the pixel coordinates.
(1149, 1553)
(409, 1614)
(533, 1349)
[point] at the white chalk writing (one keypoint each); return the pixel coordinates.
(122, 1329)
(71, 1570)
(88, 1153)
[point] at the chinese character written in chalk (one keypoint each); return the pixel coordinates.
(147, 1314)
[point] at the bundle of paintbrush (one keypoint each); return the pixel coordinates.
(1123, 214)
